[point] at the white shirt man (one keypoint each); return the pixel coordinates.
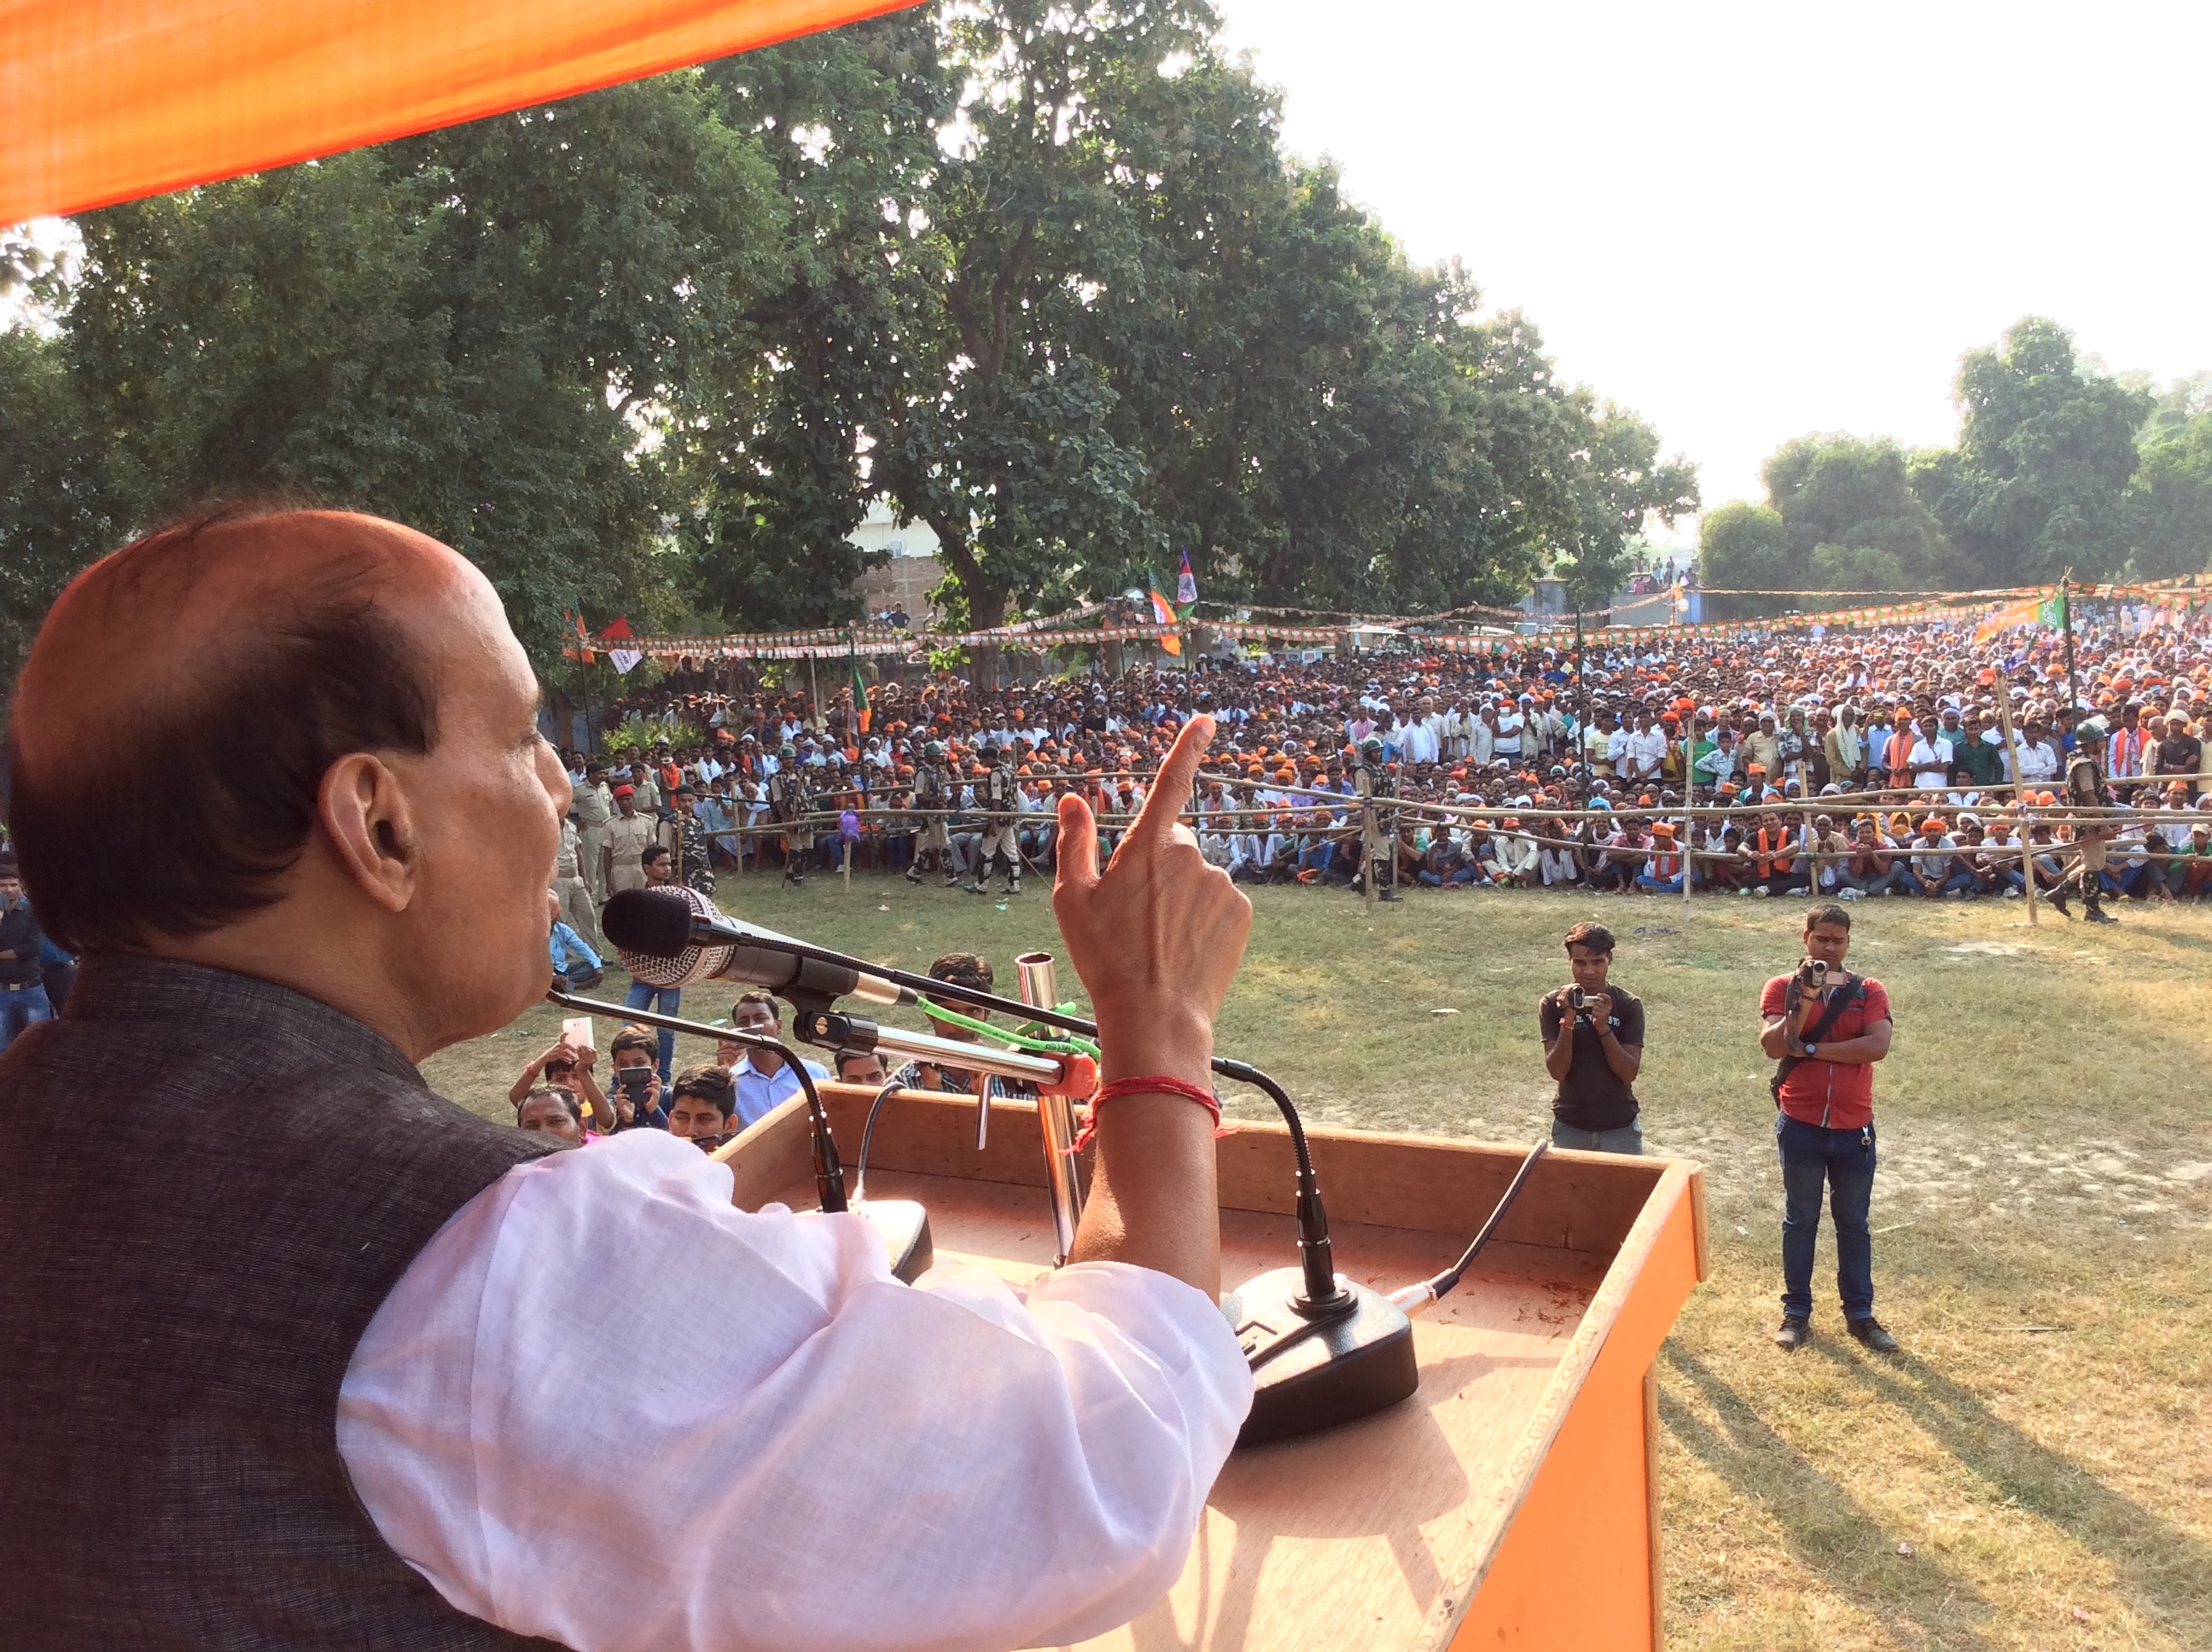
(1507, 742)
(1930, 760)
(1418, 741)
(1647, 749)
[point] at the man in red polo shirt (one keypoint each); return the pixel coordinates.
(1826, 1039)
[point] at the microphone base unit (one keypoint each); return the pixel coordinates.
(1314, 1367)
(904, 1226)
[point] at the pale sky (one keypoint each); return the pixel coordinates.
(1750, 221)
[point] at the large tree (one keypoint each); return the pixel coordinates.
(2173, 485)
(1852, 519)
(480, 332)
(2040, 481)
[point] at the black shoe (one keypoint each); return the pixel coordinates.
(977, 888)
(2099, 915)
(952, 880)
(1870, 1332)
(2058, 898)
(914, 877)
(1013, 888)
(1389, 895)
(1795, 1333)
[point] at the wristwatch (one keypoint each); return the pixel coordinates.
(1811, 1050)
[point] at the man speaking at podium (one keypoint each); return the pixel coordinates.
(323, 1360)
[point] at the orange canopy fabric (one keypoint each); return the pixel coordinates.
(109, 99)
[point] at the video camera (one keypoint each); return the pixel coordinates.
(1813, 976)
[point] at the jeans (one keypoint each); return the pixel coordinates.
(1661, 885)
(570, 950)
(1842, 1161)
(19, 1007)
(640, 997)
(1884, 883)
(1628, 1138)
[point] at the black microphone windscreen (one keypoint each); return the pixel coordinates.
(655, 921)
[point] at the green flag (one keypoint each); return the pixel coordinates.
(859, 688)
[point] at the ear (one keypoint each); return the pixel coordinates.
(364, 812)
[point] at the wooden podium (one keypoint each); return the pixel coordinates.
(1512, 1501)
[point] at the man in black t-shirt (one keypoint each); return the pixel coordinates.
(1594, 1048)
(2180, 752)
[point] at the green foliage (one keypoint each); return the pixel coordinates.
(56, 514)
(1746, 548)
(2175, 488)
(1851, 495)
(638, 734)
(2039, 480)
(1041, 273)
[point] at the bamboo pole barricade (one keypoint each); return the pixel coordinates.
(1512, 1500)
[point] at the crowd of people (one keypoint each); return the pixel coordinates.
(1851, 764)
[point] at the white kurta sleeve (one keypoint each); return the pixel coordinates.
(606, 1407)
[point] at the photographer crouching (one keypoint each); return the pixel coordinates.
(1593, 1035)
(1826, 1028)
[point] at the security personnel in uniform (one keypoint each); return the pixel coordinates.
(569, 887)
(2086, 789)
(933, 791)
(593, 805)
(1372, 780)
(788, 800)
(629, 834)
(692, 866)
(999, 839)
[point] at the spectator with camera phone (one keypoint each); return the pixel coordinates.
(1825, 1028)
(1592, 1034)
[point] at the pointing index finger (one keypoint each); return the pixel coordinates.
(1171, 786)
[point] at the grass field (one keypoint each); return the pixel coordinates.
(2046, 1162)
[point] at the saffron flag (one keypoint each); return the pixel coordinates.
(1164, 613)
(2026, 612)
(1186, 581)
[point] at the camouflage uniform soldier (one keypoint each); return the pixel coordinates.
(692, 865)
(999, 839)
(2086, 789)
(1373, 781)
(932, 790)
(789, 800)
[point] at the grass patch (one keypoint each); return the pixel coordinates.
(2046, 1160)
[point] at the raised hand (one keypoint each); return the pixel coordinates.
(1157, 936)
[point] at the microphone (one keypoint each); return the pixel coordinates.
(673, 936)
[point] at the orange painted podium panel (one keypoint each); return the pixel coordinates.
(1512, 1501)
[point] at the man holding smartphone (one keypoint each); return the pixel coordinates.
(1825, 1028)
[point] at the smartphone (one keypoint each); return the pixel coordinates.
(576, 1033)
(635, 1082)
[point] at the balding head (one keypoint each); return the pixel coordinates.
(189, 610)
(184, 697)
(261, 733)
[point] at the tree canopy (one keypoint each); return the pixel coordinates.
(1042, 275)
(2058, 466)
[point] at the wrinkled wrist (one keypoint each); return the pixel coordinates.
(1172, 1040)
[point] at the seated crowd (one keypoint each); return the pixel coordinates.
(1857, 762)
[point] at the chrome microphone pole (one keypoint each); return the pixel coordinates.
(1055, 1120)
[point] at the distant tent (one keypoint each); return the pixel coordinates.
(111, 99)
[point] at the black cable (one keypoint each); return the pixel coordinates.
(1450, 1277)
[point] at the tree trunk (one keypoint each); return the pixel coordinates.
(987, 608)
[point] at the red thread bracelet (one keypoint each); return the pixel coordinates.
(1147, 1086)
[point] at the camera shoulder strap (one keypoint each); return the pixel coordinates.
(1852, 988)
